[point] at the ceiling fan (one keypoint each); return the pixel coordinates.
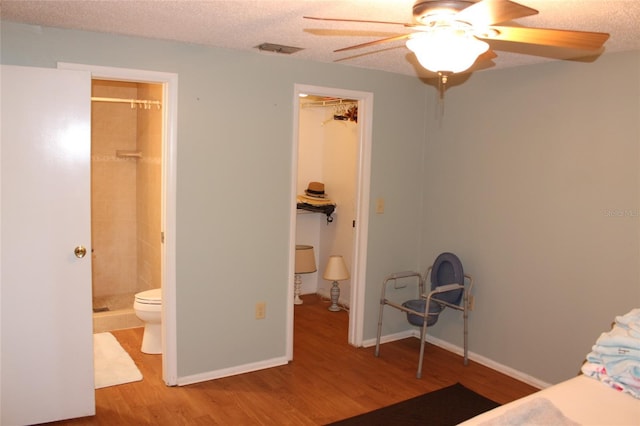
(448, 35)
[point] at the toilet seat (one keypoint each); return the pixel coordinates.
(150, 297)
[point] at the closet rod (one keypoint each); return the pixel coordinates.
(144, 102)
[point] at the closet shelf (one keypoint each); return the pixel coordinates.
(326, 210)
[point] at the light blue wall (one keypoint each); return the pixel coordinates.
(518, 179)
(234, 177)
(534, 166)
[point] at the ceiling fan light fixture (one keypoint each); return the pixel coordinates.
(432, 19)
(428, 11)
(446, 49)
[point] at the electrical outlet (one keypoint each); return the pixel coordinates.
(261, 310)
(472, 302)
(380, 205)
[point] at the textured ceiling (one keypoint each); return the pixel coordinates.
(243, 25)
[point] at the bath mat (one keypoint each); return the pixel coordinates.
(112, 364)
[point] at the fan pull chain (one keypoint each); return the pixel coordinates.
(443, 78)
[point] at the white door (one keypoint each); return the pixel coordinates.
(45, 286)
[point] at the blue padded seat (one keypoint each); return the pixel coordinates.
(447, 269)
(418, 305)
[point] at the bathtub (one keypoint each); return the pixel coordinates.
(114, 313)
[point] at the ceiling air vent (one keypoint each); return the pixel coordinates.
(278, 48)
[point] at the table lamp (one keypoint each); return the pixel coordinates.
(305, 264)
(335, 271)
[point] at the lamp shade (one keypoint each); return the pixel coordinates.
(305, 260)
(336, 270)
(446, 49)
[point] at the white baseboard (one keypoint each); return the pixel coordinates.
(390, 338)
(226, 372)
(516, 374)
(275, 362)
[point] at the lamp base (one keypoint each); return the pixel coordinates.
(296, 290)
(335, 295)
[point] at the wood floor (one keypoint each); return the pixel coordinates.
(328, 380)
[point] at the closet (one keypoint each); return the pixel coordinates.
(328, 152)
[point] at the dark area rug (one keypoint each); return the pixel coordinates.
(444, 407)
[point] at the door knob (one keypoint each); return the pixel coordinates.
(80, 251)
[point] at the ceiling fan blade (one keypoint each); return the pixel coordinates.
(373, 43)
(359, 20)
(549, 37)
(489, 12)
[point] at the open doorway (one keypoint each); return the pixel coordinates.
(126, 187)
(326, 188)
(348, 180)
(168, 84)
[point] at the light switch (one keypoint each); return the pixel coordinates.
(380, 205)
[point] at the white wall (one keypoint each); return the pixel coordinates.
(340, 169)
(310, 160)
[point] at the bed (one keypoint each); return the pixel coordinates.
(606, 393)
(580, 400)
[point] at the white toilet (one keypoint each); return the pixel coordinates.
(148, 308)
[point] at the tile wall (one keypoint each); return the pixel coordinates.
(125, 194)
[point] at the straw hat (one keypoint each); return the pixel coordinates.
(315, 190)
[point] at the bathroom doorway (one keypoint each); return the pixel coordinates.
(167, 84)
(348, 178)
(126, 188)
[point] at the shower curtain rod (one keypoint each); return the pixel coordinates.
(146, 103)
(335, 102)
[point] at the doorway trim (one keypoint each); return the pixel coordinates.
(169, 83)
(365, 115)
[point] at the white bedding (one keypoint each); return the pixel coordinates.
(581, 400)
